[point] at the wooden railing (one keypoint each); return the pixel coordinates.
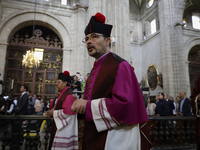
(18, 136)
(175, 133)
(172, 132)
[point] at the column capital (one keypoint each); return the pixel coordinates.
(81, 6)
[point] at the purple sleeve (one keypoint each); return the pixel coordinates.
(66, 106)
(126, 97)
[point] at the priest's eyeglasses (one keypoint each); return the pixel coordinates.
(92, 37)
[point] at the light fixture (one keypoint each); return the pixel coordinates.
(30, 60)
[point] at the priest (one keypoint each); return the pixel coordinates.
(64, 129)
(115, 114)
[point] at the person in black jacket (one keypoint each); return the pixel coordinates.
(162, 106)
(170, 105)
(184, 107)
(23, 101)
(76, 86)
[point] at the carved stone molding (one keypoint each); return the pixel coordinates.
(37, 39)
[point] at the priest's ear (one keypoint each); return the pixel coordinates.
(108, 42)
(67, 84)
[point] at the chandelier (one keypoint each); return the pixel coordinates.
(29, 59)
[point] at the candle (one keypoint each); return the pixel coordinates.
(12, 83)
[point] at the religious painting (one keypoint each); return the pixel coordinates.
(152, 77)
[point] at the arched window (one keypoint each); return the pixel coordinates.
(153, 26)
(196, 22)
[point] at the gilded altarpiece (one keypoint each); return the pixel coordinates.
(42, 80)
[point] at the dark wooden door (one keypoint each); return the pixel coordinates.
(42, 80)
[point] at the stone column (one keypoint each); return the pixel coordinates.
(180, 65)
(170, 13)
(80, 56)
(97, 6)
(166, 47)
(3, 49)
(118, 15)
(67, 60)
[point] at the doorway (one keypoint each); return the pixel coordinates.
(42, 80)
(194, 65)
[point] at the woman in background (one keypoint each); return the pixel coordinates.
(150, 107)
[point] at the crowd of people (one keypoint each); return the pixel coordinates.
(161, 105)
(25, 103)
(32, 101)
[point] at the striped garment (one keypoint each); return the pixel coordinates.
(66, 137)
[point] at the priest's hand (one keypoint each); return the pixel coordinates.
(79, 105)
(49, 113)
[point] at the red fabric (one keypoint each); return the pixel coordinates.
(100, 17)
(195, 92)
(66, 73)
(51, 105)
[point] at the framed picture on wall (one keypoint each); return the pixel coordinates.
(152, 77)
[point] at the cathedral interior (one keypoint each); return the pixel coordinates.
(147, 33)
(159, 38)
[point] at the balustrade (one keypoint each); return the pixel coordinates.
(16, 136)
(169, 132)
(172, 132)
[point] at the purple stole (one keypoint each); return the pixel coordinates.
(58, 106)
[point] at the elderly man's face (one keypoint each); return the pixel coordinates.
(38, 108)
(181, 95)
(96, 44)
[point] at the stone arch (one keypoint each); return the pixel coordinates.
(10, 25)
(22, 19)
(188, 46)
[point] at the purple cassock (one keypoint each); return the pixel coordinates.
(126, 104)
(115, 103)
